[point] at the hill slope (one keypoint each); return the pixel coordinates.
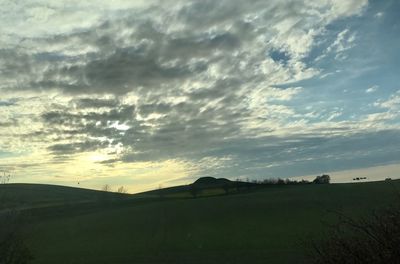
(267, 226)
(19, 196)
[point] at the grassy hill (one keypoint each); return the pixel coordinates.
(22, 196)
(268, 225)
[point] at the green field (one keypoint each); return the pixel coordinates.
(268, 225)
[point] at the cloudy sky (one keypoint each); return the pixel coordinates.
(143, 93)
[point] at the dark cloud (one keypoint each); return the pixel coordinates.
(224, 88)
(15, 63)
(123, 71)
(128, 70)
(77, 147)
(85, 131)
(121, 114)
(203, 45)
(96, 103)
(6, 103)
(146, 58)
(206, 13)
(13, 122)
(191, 82)
(306, 154)
(8, 124)
(160, 108)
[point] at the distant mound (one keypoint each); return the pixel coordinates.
(211, 181)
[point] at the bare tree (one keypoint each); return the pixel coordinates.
(122, 189)
(105, 194)
(106, 188)
(5, 177)
(324, 179)
(373, 239)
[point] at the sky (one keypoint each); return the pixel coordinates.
(158, 93)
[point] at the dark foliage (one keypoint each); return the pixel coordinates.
(279, 181)
(204, 183)
(372, 240)
(12, 247)
(211, 181)
(323, 179)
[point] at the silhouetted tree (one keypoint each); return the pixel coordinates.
(280, 182)
(122, 190)
(105, 196)
(269, 181)
(304, 182)
(106, 188)
(324, 179)
(5, 177)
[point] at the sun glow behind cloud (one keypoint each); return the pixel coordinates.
(96, 157)
(143, 93)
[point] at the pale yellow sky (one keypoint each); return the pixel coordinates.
(147, 93)
(376, 173)
(86, 170)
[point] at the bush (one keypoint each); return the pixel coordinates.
(375, 239)
(324, 179)
(12, 248)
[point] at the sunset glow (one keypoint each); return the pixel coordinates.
(149, 93)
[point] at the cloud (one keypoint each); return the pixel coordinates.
(6, 103)
(372, 89)
(347, 8)
(40, 18)
(393, 103)
(200, 40)
(223, 83)
(8, 124)
(379, 15)
(96, 103)
(76, 147)
(344, 41)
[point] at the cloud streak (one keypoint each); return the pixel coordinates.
(227, 83)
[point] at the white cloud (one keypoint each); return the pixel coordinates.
(345, 40)
(372, 89)
(41, 18)
(379, 15)
(334, 115)
(347, 8)
(185, 78)
(393, 103)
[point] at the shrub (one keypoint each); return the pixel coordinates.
(12, 247)
(324, 179)
(375, 239)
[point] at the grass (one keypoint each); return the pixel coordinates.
(35, 195)
(265, 226)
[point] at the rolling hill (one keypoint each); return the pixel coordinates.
(268, 225)
(25, 196)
